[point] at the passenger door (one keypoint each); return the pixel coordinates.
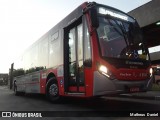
(73, 57)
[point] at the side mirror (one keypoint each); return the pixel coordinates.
(94, 17)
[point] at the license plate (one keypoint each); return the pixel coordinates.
(134, 89)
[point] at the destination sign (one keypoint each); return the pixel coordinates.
(112, 13)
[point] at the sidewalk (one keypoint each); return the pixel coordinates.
(153, 95)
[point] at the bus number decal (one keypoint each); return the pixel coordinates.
(44, 75)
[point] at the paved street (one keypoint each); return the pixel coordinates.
(10, 102)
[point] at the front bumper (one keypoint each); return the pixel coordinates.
(104, 86)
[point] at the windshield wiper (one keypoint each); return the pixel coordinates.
(123, 33)
(122, 28)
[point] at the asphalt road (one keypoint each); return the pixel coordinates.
(90, 108)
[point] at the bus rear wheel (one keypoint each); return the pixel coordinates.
(52, 91)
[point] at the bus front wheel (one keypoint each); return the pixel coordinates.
(52, 91)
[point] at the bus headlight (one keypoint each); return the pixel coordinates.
(105, 71)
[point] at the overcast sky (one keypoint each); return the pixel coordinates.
(22, 22)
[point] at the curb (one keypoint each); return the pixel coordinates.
(140, 97)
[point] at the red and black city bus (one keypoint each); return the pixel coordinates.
(96, 50)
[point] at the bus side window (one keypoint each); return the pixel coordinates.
(87, 47)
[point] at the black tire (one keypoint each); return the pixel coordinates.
(52, 90)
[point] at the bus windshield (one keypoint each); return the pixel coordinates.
(120, 37)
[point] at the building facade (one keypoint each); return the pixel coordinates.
(148, 17)
(3, 79)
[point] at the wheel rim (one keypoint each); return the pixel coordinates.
(53, 90)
